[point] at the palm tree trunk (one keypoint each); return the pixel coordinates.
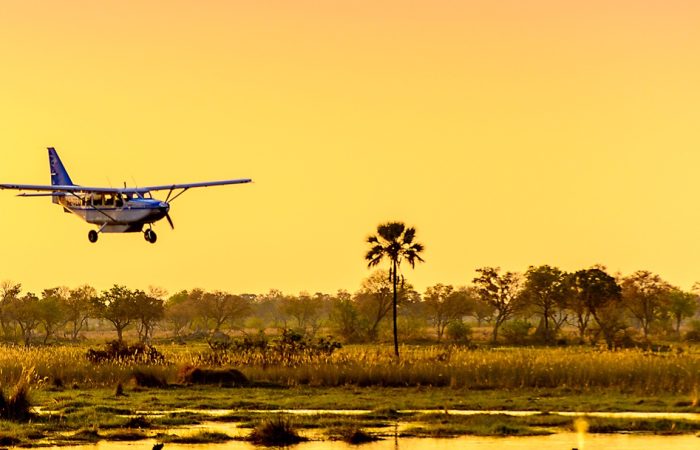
(396, 330)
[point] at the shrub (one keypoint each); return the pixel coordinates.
(221, 377)
(147, 379)
(516, 332)
(117, 351)
(291, 349)
(16, 407)
(459, 332)
(276, 432)
(355, 435)
(693, 335)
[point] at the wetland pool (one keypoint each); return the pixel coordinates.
(560, 441)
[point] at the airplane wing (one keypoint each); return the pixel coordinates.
(103, 190)
(168, 187)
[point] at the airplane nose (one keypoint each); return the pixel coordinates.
(165, 206)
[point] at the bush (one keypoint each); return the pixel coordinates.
(516, 332)
(16, 407)
(354, 435)
(147, 379)
(117, 351)
(459, 332)
(276, 432)
(290, 349)
(693, 335)
(221, 377)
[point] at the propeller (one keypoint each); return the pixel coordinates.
(170, 221)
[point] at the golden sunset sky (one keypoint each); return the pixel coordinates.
(508, 132)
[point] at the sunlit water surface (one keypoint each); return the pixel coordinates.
(558, 441)
(561, 441)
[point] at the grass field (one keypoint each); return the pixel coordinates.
(578, 369)
(77, 395)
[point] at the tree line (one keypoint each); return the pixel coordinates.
(544, 305)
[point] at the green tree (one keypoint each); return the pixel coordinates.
(220, 308)
(344, 317)
(646, 296)
(78, 308)
(120, 306)
(305, 310)
(681, 305)
(545, 291)
(52, 309)
(395, 242)
(24, 311)
(151, 309)
(596, 294)
(444, 305)
(499, 291)
(179, 312)
(9, 292)
(373, 302)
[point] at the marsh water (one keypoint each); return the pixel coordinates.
(391, 441)
(561, 441)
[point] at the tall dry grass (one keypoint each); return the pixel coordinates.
(634, 371)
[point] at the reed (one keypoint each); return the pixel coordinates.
(578, 369)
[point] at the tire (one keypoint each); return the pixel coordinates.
(150, 236)
(92, 236)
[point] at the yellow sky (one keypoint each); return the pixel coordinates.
(508, 132)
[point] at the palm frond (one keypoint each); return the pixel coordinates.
(408, 236)
(391, 231)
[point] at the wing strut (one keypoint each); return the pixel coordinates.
(168, 199)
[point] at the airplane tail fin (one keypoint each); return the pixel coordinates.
(59, 175)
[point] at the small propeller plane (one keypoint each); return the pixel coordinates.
(114, 210)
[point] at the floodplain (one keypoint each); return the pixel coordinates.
(468, 395)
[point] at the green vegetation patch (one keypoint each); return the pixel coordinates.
(204, 437)
(655, 426)
(447, 425)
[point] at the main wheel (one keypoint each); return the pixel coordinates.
(92, 236)
(150, 236)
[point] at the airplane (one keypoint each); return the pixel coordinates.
(114, 210)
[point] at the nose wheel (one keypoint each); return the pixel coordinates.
(92, 236)
(150, 236)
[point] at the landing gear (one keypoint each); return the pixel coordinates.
(92, 236)
(150, 236)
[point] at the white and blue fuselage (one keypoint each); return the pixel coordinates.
(115, 213)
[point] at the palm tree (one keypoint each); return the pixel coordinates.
(395, 242)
